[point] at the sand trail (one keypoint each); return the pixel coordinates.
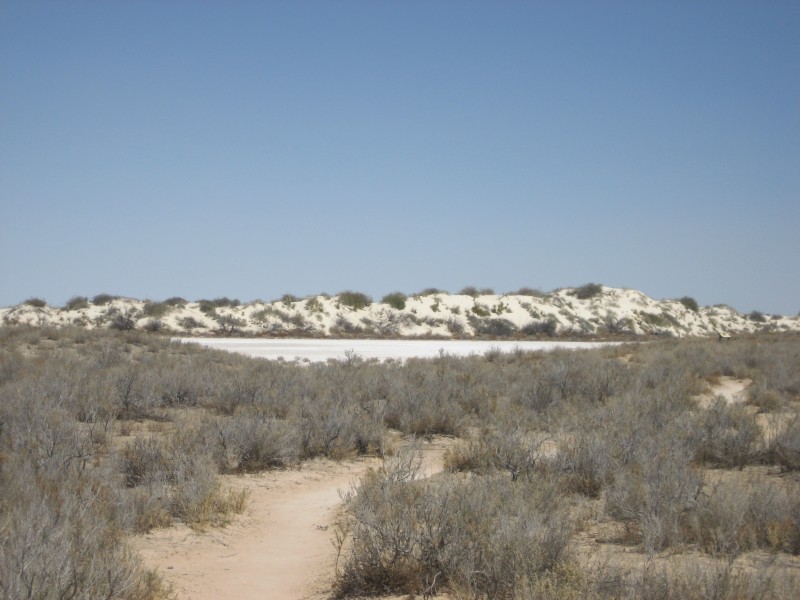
(280, 548)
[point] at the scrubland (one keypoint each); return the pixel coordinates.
(610, 473)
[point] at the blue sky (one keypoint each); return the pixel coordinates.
(249, 149)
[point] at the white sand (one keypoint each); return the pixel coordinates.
(320, 350)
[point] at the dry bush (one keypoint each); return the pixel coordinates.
(59, 541)
(783, 446)
(736, 516)
(180, 477)
(421, 400)
(691, 581)
(505, 445)
(249, 442)
(727, 436)
(479, 538)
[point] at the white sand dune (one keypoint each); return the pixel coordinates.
(609, 311)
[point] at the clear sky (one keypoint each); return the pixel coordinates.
(249, 149)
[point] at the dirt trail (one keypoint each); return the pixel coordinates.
(281, 548)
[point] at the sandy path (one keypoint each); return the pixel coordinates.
(281, 548)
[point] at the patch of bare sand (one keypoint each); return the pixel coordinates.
(731, 389)
(280, 548)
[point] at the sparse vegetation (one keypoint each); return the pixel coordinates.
(547, 327)
(35, 302)
(431, 291)
(289, 299)
(396, 300)
(190, 323)
(528, 291)
(77, 303)
(354, 300)
(123, 320)
(156, 310)
(104, 433)
(587, 291)
(103, 299)
(176, 301)
(314, 305)
(690, 303)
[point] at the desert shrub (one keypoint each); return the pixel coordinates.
(180, 477)
(225, 302)
(480, 310)
(77, 303)
(156, 310)
(271, 311)
(736, 516)
(653, 319)
(783, 446)
(455, 327)
(495, 327)
(757, 317)
(421, 401)
(314, 305)
(190, 323)
(343, 326)
(354, 300)
(587, 291)
(396, 300)
(153, 325)
(176, 301)
(652, 494)
(123, 321)
(103, 299)
(209, 306)
(505, 445)
(547, 327)
(469, 290)
(690, 580)
(690, 303)
(250, 441)
(431, 291)
(35, 302)
(759, 394)
(339, 417)
(485, 537)
(60, 541)
(727, 436)
(528, 291)
(387, 322)
(228, 324)
(289, 299)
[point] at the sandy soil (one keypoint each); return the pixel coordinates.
(280, 548)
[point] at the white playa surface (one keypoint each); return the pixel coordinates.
(320, 350)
